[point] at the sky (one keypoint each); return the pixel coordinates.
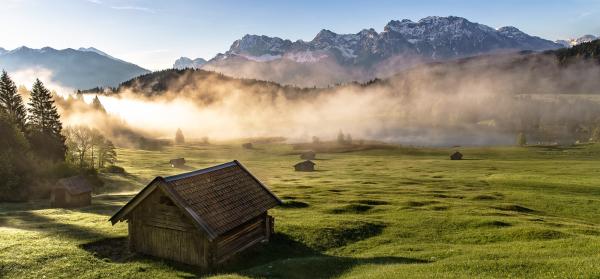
(153, 34)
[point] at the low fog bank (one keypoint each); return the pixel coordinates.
(482, 101)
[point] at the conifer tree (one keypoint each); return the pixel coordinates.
(340, 137)
(179, 138)
(97, 105)
(11, 102)
(45, 128)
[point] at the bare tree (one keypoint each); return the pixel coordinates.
(79, 142)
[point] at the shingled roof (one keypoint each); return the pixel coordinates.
(75, 185)
(217, 199)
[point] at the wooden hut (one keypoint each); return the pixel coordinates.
(74, 191)
(177, 163)
(247, 145)
(202, 217)
(456, 156)
(305, 166)
(308, 155)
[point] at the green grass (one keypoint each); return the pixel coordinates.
(393, 213)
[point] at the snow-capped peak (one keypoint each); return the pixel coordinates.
(432, 37)
(576, 41)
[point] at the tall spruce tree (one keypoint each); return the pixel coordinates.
(45, 128)
(11, 102)
(97, 105)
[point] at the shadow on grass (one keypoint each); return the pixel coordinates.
(32, 221)
(282, 257)
(106, 204)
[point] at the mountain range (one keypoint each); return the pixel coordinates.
(333, 58)
(329, 58)
(81, 68)
(577, 41)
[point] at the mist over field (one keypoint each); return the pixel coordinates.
(483, 101)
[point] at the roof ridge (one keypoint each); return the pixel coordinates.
(200, 171)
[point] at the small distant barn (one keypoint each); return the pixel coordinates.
(74, 191)
(308, 155)
(200, 218)
(247, 145)
(456, 156)
(177, 163)
(305, 166)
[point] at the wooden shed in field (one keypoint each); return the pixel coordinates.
(308, 155)
(247, 145)
(177, 163)
(456, 156)
(305, 166)
(73, 191)
(202, 217)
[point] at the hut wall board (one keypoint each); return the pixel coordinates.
(241, 238)
(160, 229)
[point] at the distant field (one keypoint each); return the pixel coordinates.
(390, 213)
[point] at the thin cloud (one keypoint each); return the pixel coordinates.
(134, 8)
(97, 2)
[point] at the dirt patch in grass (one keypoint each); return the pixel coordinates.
(439, 208)
(419, 203)
(514, 207)
(293, 204)
(485, 198)
(493, 224)
(333, 237)
(351, 208)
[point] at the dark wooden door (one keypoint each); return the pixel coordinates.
(59, 197)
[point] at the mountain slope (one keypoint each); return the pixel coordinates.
(84, 68)
(332, 58)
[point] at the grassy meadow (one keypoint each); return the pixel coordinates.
(385, 213)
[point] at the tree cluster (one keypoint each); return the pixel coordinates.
(29, 137)
(344, 139)
(88, 148)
